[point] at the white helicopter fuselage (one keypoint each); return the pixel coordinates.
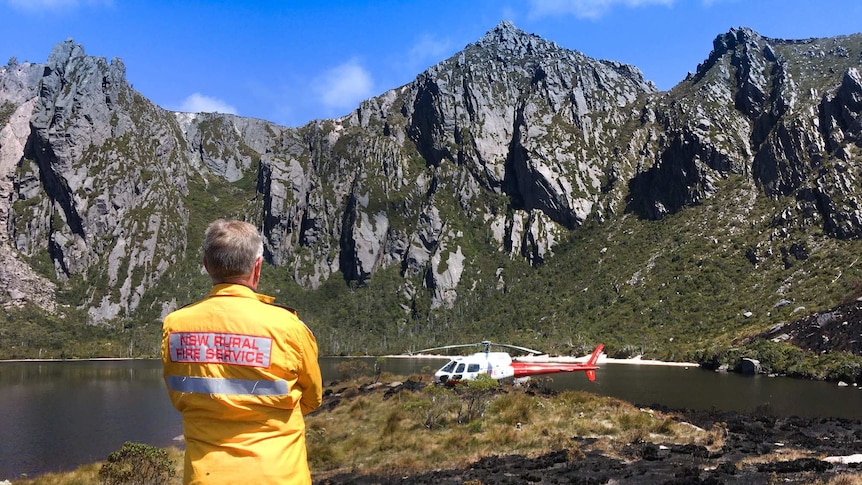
(498, 365)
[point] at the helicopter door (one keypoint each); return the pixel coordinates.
(459, 372)
(445, 372)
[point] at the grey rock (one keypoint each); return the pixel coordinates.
(750, 366)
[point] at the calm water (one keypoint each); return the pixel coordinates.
(57, 415)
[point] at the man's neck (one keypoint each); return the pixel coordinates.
(239, 280)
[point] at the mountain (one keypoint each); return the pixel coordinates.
(517, 190)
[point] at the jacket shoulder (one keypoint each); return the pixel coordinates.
(295, 314)
(284, 307)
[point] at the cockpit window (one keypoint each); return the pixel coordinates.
(473, 368)
(449, 367)
(460, 368)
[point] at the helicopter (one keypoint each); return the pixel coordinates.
(500, 365)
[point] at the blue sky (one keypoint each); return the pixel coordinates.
(291, 61)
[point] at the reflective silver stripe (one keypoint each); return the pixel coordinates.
(213, 385)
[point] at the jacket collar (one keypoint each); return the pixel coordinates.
(232, 289)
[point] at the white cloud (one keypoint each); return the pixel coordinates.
(344, 86)
(198, 103)
(428, 49)
(587, 9)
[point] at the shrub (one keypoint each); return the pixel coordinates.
(435, 405)
(137, 464)
(475, 398)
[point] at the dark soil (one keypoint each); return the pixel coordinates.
(748, 437)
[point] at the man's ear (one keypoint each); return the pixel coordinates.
(258, 264)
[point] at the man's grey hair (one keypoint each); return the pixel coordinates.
(231, 248)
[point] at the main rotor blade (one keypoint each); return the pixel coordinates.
(484, 343)
(522, 349)
(444, 348)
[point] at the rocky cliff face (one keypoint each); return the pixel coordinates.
(98, 180)
(508, 146)
(516, 130)
(17, 94)
(784, 115)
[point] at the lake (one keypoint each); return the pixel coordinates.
(55, 416)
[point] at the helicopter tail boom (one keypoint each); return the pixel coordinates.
(523, 369)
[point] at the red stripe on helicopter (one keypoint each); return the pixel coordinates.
(523, 369)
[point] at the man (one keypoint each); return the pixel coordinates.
(242, 371)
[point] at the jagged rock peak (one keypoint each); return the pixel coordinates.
(736, 39)
(506, 33)
(69, 50)
(740, 37)
(505, 36)
(63, 51)
(508, 41)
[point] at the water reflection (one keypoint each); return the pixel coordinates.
(51, 372)
(57, 415)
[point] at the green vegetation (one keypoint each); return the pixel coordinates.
(137, 464)
(789, 360)
(64, 336)
(7, 109)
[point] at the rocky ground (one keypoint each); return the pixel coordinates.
(757, 449)
(837, 329)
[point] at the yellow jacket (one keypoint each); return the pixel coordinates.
(242, 372)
